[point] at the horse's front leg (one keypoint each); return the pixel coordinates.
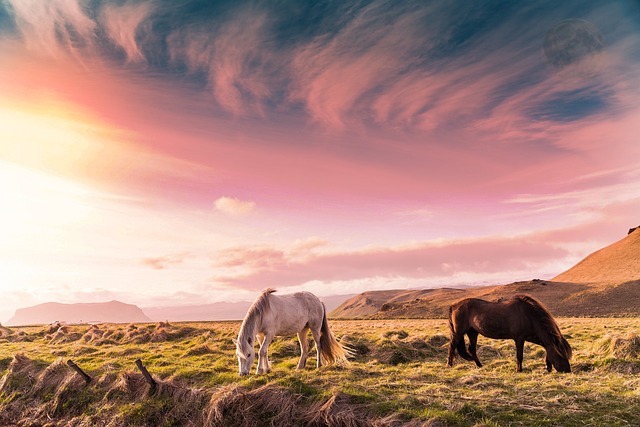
(263, 361)
(548, 362)
(519, 353)
(304, 347)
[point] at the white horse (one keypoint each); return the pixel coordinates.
(284, 315)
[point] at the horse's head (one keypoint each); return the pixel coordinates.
(246, 354)
(560, 355)
(561, 364)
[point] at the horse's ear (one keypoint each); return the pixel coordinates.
(235, 341)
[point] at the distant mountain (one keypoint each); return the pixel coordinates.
(220, 310)
(108, 312)
(605, 283)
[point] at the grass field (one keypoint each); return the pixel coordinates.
(398, 377)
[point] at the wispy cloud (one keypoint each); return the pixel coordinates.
(122, 23)
(411, 65)
(54, 26)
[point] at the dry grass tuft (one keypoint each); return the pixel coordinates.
(93, 334)
(337, 411)
(21, 374)
(356, 345)
(239, 407)
(4, 331)
(438, 340)
(51, 377)
(52, 328)
(133, 385)
(63, 335)
(136, 335)
(627, 347)
(198, 351)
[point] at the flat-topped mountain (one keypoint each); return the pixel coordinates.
(605, 283)
(107, 312)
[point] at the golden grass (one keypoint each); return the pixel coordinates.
(397, 377)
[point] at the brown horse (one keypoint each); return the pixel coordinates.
(520, 318)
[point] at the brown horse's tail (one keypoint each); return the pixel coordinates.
(330, 350)
(460, 346)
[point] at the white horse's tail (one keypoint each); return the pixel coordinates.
(330, 350)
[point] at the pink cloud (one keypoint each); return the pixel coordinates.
(252, 257)
(234, 207)
(427, 260)
(163, 262)
(122, 22)
(49, 27)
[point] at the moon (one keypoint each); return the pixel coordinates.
(573, 44)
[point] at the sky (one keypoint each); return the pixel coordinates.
(184, 152)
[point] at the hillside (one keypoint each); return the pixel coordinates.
(111, 312)
(616, 263)
(605, 283)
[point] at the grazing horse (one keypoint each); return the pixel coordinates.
(520, 318)
(284, 315)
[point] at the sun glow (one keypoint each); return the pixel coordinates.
(53, 136)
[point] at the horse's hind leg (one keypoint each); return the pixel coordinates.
(316, 337)
(452, 350)
(473, 341)
(456, 338)
(304, 347)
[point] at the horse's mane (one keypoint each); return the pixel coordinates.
(548, 324)
(257, 309)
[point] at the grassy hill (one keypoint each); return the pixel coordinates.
(606, 283)
(614, 264)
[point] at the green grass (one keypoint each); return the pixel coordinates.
(399, 370)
